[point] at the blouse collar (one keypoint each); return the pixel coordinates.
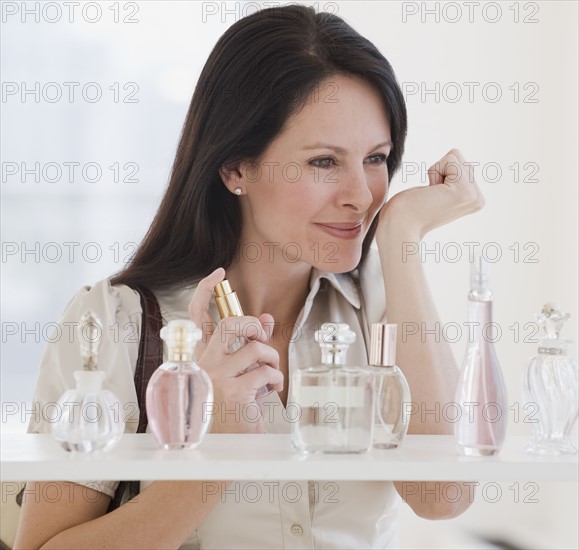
(174, 302)
(344, 283)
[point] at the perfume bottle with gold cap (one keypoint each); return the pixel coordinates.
(229, 306)
(392, 392)
(89, 418)
(179, 391)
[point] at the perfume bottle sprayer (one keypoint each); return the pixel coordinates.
(89, 416)
(229, 306)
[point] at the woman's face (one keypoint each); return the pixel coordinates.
(322, 181)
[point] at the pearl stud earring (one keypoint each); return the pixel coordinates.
(237, 191)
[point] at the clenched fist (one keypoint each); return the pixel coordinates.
(451, 194)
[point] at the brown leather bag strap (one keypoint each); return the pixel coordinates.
(150, 357)
(150, 350)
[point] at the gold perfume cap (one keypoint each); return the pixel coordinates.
(227, 300)
(181, 336)
(383, 344)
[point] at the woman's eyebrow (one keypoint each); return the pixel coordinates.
(337, 148)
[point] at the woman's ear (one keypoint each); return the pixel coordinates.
(231, 175)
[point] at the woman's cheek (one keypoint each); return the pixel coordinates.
(379, 191)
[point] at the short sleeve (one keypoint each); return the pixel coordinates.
(119, 310)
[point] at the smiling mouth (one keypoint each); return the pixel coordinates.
(342, 230)
(343, 225)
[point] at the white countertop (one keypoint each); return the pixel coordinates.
(263, 457)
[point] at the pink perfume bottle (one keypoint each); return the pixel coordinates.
(481, 393)
(179, 391)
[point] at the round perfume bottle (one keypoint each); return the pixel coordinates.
(89, 416)
(550, 388)
(179, 393)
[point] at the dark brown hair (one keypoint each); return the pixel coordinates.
(261, 71)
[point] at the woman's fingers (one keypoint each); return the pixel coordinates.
(262, 375)
(198, 307)
(436, 174)
(458, 175)
(203, 293)
(268, 324)
(450, 169)
(233, 364)
(230, 329)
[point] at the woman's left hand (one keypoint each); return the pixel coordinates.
(452, 193)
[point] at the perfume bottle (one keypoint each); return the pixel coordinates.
(89, 419)
(334, 401)
(550, 388)
(179, 391)
(229, 306)
(480, 394)
(392, 400)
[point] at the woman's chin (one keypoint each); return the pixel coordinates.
(339, 264)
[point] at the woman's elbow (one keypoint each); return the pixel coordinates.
(437, 500)
(443, 509)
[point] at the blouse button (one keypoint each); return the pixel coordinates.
(297, 530)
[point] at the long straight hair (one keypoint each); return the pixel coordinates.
(262, 70)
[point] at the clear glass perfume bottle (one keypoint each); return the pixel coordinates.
(550, 386)
(179, 391)
(229, 306)
(89, 419)
(392, 399)
(335, 402)
(481, 393)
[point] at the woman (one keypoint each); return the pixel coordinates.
(295, 129)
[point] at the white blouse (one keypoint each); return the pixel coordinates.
(269, 514)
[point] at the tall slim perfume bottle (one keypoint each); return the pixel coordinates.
(392, 392)
(481, 394)
(179, 391)
(333, 402)
(89, 416)
(550, 388)
(229, 306)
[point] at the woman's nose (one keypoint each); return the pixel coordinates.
(354, 190)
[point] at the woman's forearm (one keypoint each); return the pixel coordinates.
(163, 516)
(427, 363)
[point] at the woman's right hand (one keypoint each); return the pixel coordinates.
(234, 410)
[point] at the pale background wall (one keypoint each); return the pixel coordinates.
(158, 59)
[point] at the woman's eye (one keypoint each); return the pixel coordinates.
(378, 159)
(325, 162)
(322, 162)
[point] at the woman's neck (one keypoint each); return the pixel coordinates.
(271, 285)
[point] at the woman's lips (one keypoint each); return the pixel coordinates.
(342, 230)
